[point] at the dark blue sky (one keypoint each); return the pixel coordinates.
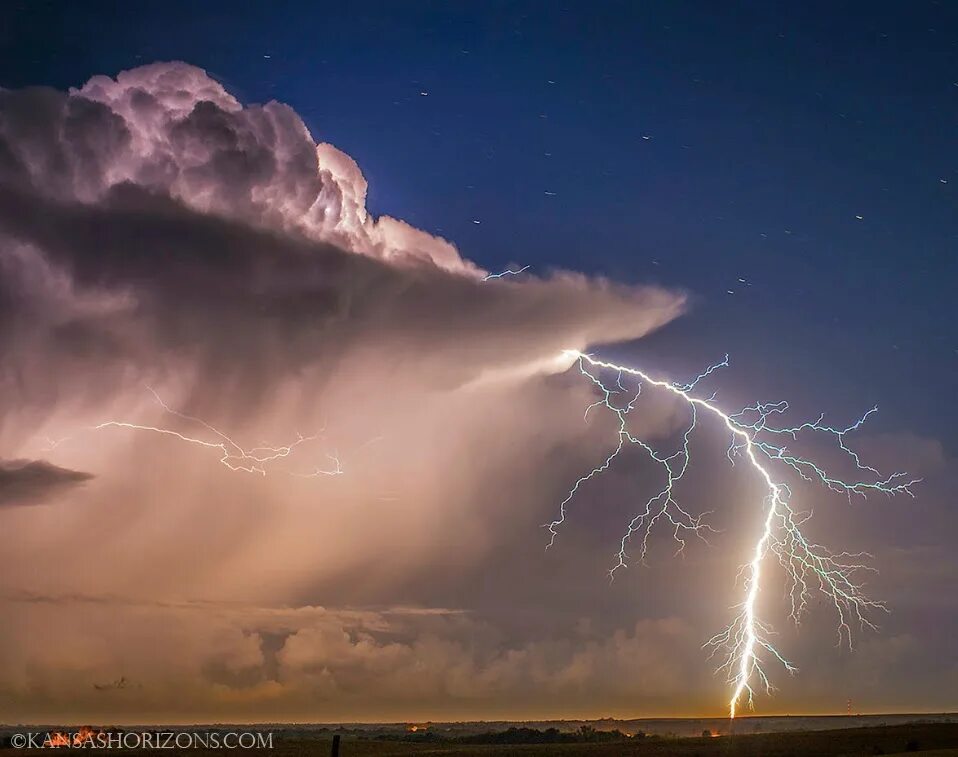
(681, 143)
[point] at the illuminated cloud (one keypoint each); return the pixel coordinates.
(218, 659)
(169, 128)
(156, 234)
(153, 214)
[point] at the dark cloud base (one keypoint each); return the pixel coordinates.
(32, 482)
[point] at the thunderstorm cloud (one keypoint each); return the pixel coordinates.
(176, 261)
(158, 239)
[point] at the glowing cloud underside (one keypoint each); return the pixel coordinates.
(743, 647)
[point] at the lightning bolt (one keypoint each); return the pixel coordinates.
(232, 455)
(744, 646)
(507, 272)
(336, 470)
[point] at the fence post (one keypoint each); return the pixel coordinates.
(335, 751)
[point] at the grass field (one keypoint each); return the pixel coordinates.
(931, 739)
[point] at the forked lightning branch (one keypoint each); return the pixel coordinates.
(758, 436)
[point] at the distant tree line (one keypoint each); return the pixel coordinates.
(521, 735)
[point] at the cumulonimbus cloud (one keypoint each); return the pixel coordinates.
(155, 232)
(154, 213)
(171, 129)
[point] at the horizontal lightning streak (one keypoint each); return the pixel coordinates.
(232, 455)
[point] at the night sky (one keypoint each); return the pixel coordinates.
(792, 171)
(684, 145)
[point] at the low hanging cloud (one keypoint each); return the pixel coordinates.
(303, 663)
(31, 482)
(160, 239)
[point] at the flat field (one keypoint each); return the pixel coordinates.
(931, 739)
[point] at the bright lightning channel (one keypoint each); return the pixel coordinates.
(232, 455)
(507, 272)
(753, 435)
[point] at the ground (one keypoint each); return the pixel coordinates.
(929, 739)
